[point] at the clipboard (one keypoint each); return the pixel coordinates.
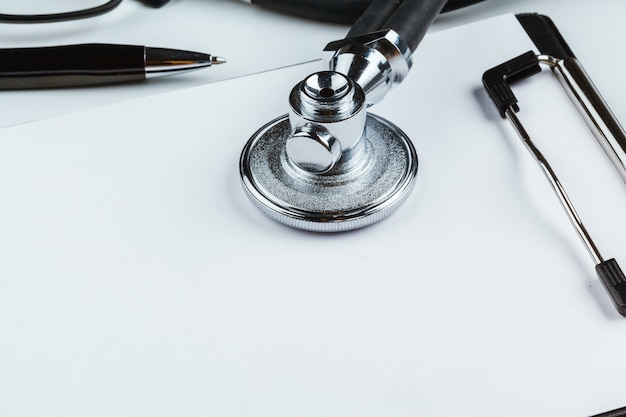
(554, 52)
(136, 278)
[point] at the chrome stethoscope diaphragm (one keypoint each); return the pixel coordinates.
(328, 165)
(364, 185)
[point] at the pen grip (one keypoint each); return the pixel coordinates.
(70, 66)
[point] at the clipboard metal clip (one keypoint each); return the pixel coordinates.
(600, 119)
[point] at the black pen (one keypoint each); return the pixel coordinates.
(93, 64)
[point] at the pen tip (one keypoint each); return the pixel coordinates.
(217, 60)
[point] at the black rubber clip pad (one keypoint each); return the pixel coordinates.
(497, 80)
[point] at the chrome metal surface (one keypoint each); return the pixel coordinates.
(328, 165)
(377, 62)
(556, 185)
(327, 116)
(161, 62)
(313, 148)
(592, 107)
(366, 185)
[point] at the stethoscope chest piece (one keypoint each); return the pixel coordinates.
(329, 165)
(365, 185)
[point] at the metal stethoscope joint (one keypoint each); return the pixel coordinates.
(328, 109)
(329, 165)
(376, 61)
(327, 118)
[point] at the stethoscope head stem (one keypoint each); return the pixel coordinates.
(327, 119)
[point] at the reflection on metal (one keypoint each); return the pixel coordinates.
(592, 107)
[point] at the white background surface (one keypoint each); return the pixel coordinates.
(136, 278)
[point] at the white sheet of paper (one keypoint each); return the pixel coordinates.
(137, 279)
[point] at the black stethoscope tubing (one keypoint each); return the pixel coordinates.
(332, 11)
(74, 15)
(338, 11)
(60, 17)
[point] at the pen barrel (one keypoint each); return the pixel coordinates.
(70, 66)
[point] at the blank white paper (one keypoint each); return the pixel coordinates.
(137, 279)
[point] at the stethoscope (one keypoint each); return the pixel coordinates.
(346, 11)
(329, 165)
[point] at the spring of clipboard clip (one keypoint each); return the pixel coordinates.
(598, 116)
